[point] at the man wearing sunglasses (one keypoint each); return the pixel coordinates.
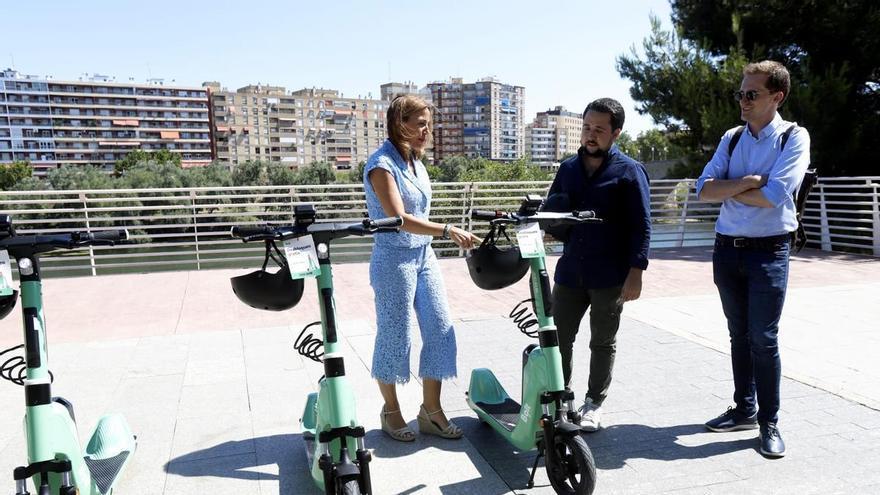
(755, 177)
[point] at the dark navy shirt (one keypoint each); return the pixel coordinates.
(598, 256)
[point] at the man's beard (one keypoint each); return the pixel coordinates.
(599, 153)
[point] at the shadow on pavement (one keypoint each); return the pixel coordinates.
(614, 445)
(256, 459)
(287, 452)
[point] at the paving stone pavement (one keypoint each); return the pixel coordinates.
(216, 402)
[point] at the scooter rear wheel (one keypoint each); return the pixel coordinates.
(574, 472)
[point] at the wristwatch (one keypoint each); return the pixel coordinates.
(446, 231)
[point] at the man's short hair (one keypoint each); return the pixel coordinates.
(778, 78)
(611, 107)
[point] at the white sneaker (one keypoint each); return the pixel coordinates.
(591, 414)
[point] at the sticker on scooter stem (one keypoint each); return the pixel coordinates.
(530, 240)
(302, 258)
(5, 274)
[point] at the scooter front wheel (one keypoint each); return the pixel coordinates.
(574, 470)
(351, 488)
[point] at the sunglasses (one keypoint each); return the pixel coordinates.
(750, 95)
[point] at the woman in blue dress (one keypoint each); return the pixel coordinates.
(405, 275)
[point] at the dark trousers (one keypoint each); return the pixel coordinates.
(569, 306)
(752, 284)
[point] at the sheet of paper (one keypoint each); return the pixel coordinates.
(302, 257)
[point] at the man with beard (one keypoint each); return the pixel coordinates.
(601, 265)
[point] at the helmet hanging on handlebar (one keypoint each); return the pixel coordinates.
(269, 291)
(495, 267)
(7, 303)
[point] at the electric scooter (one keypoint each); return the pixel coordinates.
(546, 419)
(334, 439)
(56, 463)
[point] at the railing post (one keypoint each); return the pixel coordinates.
(824, 230)
(875, 226)
(471, 192)
(682, 226)
(467, 202)
(192, 199)
(85, 203)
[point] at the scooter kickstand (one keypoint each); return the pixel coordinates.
(531, 482)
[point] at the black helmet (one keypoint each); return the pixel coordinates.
(7, 303)
(559, 203)
(495, 267)
(269, 291)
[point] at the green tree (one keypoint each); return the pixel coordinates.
(686, 89)
(12, 174)
(214, 175)
(627, 145)
(166, 156)
(830, 48)
(72, 177)
(147, 175)
(656, 144)
(452, 169)
(356, 175)
(250, 173)
(281, 175)
(139, 156)
(483, 170)
(316, 173)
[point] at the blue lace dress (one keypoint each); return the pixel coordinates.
(407, 283)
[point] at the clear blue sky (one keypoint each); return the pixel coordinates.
(563, 53)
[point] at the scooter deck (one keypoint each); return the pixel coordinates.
(505, 413)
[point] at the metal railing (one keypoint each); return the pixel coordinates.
(188, 228)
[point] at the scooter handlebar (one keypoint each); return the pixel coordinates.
(107, 236)
(250, 233)
(389, 224)
(487, 214)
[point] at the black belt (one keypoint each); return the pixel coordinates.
(770, 243)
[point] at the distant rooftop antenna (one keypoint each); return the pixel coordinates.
(12, 56)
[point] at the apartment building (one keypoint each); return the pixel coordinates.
(481, 119)
(541, 144)
(389, 90)
(297, 128)
(553, 135)
(97, 120)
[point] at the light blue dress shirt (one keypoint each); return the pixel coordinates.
(761, 155)
(415, 192)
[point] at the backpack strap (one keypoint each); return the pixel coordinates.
(734, 140)
(786, 135)
(811, 177)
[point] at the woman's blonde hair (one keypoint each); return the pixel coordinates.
(403, 107)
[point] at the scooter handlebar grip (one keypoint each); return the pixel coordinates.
(486, 214)
(386, 223)
(248, 231)
(586, 214)
(109, 236)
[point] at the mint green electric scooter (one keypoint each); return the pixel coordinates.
(334, 439)
(56, 463)
(546, 419)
